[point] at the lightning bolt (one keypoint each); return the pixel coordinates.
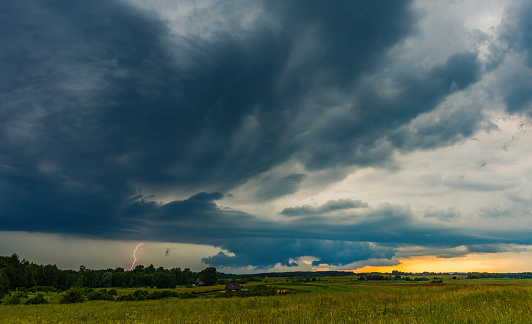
(135, 257)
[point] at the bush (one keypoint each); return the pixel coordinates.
(12, 300)
(154, 295)
(140, 294)
(44, 289)
(160, 294)
(99, 295)
(126, 298)
(112, 292)
(137, 295)
(39, 299)
(73, 295)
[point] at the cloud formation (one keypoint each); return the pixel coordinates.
(328, 207)
(121, 122)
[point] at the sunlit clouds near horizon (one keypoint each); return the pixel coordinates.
(261, 136)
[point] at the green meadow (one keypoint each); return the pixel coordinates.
(331, 300)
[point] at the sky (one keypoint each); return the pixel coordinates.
(259, 136)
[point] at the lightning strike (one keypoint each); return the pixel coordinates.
(134, 256)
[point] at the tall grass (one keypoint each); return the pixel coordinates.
(451, 303)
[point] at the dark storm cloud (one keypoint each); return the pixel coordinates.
(99, 100)
(516, 33)
(275, 188)
(265, 253)
(330, 206)
(375, 124)
(421, 95)
(495, 248)
(335, 241)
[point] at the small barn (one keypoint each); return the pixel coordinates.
(232, 286)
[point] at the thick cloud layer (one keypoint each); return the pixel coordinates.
(115, 124)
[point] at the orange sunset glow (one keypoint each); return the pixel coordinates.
(501, 262)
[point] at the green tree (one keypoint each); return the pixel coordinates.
(209, 276)
(107, 279)
(4, 284)
(163, 280)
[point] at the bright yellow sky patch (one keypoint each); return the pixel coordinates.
(499, 262)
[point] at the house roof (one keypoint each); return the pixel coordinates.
(232, 286)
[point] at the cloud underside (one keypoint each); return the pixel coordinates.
(105, 107)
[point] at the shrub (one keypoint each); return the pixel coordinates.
(154, 295)
(73, 295)
(99, 295)
(44, 289)
(137, 295)
(39, 299)
(112, 292)
(126, 298)
(140, 294)
(12, 300)
(160, 294)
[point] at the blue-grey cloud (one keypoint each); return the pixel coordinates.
(274, 188)
(330, 206)
(495, 248)
(515, 32)
(100, 101)
(266, 253)
(442, 214)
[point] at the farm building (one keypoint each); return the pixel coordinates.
(233, 286)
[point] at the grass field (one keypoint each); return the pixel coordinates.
(333, 301)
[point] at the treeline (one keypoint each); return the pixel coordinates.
(378, 276)
(480, 275)
(291, 274)
(16, 273)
